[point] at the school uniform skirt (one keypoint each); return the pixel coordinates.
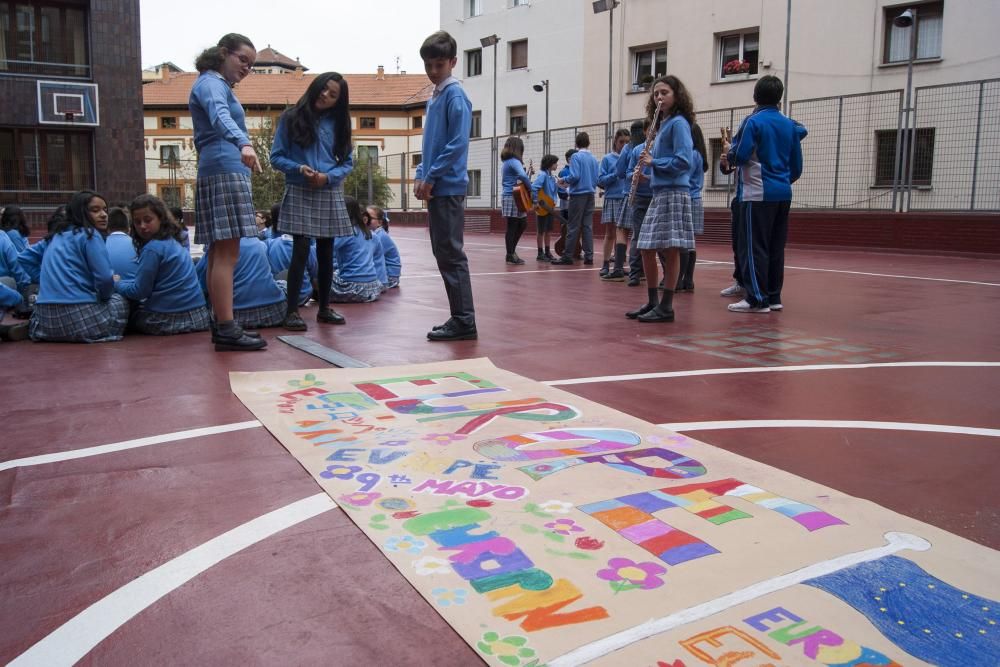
(508, 208)
(224, 208)
(698, 216)
(80, 322)
(261, 317)
(318, 213)
(668, 221)
(168, 324)
(342, 291)
(613, 212)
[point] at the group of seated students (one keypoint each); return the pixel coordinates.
(100, 273)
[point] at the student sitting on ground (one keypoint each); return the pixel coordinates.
(15, 224)
(165, 285)
(10, 298)
(77, 302)
(258, 299)
(355, 280)
(390, 253)
(121, 250)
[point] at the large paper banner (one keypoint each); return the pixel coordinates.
(547, 529)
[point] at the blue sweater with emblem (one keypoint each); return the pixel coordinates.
(220, 129)
(671, 153)
(445, 151)
(287, 156)
(165, 281)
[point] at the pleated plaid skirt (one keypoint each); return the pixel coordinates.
(80, 322)
(261, 317)
(698, 216)
(168, 324)
(612, 212)
(224, 208)
(508, 208)
(318, 213)
(342, 291)
(668, 221)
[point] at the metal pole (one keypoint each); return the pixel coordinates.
(975, 153)
(836, 164)
(896, 185)
(371, 186)
(909, 135)
(403, 179)
(788, 45)
(546, 142)
(493, 145)
(611, 39)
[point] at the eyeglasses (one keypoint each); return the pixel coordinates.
(243, 59)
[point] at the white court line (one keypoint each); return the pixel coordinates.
(78, 636)
(875, 275)
(602, 647)
(685, 427)
(127, 444)
(771, 369)
(509, 273)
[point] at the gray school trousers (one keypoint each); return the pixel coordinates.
(447, 230)
(581, 219)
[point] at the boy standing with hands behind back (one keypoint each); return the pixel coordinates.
(442, 180)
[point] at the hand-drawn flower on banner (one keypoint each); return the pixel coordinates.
(625, 574)
(446, 597)
(509, 650)
(396, 504)
(564, 526)
(308, 381)
(405, 543)
(429, 565)
(443, 438)
(556, 507)
(358, 499)
(340, 471)
(409, 514)
(588, 543)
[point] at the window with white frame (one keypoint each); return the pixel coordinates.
(648, 63)
(739, 53)
(476, 129)
(473, 62)
(365, 153)
(170, 155)
(930, 25)
(475, 187)
(518, 122)
(920, 151)
(473, 8)
(519, 54)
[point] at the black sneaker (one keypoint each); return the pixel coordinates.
(604, 271)
(616, 276)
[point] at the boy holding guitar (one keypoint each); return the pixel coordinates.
(545, 194)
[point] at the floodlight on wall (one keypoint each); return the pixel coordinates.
(489, 41)
(904, 20)
(539, 87)
(604, 5)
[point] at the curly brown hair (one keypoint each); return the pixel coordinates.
(683, 104)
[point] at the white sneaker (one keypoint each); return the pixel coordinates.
(745, 307)
(776, 306)
(733, 290)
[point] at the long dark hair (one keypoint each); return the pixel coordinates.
(513, 147)
(354, 213)
(301, 119)
(77, 215)
(13, 218)
(683, 104)
(213, 57)
(169, 229)
(698, 137)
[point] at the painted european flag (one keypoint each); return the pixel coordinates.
(924, 616)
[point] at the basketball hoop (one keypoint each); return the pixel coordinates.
(69, 116)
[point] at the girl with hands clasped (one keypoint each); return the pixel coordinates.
(312, 146)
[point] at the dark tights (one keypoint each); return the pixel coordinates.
(515, 227)
(297, 270)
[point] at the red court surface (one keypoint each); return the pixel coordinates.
(880, 378)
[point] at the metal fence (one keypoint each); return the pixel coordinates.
(850, 156)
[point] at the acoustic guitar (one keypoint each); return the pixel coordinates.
(522, 193)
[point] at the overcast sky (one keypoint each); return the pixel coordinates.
(348, 36)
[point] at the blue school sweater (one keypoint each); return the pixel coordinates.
(544, 182)
(446, 141)
(582, 177)
(696, 177)
(512, 172)
(20, 242)
(563, 173)
(393, 263)
(767, 150)
(643, 189)
(30, 260)
(76, 269)
(607, 177)
(220, 128)
(8, 298)
(279, 255)
(378, 259)
(253, 282)
(165, 281)
(671, 153)
(355, 263)
(10, 264)
(287, 156)
(121, 252)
